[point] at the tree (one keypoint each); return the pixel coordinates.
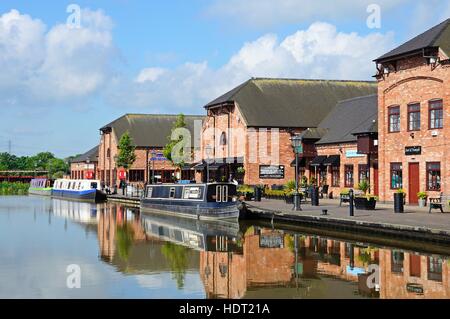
(170, 146)
(57, 168)
(126, 156)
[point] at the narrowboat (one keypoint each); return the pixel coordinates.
(83, 189)
(40, 186)
(200, 201)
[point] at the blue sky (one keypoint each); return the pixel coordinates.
(59, 85)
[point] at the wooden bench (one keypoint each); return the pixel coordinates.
(436, 203)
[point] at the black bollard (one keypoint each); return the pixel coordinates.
(350, 193)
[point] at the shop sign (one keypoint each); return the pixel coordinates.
(122, 174)
(413, 150)
(353, 153)
(271, 171)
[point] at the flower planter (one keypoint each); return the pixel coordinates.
(399, 202)
(422, 202)
(362, 203)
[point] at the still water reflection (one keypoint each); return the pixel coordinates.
(123, 254)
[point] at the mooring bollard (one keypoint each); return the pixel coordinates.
(350, 195)
(324, 212)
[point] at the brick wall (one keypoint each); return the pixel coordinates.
(414, 81)
(79, 170)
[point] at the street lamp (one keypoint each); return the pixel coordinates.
(297, 144)
(208, 150)
(153, 166)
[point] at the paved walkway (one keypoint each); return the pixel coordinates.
(413, 217)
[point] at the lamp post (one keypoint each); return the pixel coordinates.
(153, 166)
(208, 150)
(298, 149)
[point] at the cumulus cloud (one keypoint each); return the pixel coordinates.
(263, 13)
(61, 63)
(317, 52)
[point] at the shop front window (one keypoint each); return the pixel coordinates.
(335, 178)
(349, 176)
(434, 176)
(434, 268)
(396, 176)
(363, 172)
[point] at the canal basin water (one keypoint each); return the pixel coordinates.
(124, 254)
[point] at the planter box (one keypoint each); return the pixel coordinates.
(362, 203)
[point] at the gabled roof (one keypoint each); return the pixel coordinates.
(290, 102)
(349, 116)
(437, 36)
(91, 155)
(149, 130)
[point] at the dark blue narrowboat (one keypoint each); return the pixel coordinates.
(85, 190)
(200, 201)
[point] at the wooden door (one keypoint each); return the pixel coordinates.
(413, 183)
(375, 180)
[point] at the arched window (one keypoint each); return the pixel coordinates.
(108, 153)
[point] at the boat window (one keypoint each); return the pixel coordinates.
(68, 187)
(79, 186)
(224, 194)
(218, 193)
(172, 192)
(94, 185)
(149, 192)
(192, 193)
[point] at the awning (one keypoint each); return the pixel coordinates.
(332, 160)
(188, 166)
(215, 166)
(318, 160)
(301, 162)
(199, 166)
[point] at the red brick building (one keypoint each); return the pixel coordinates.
(85, 165)
(414, 116)
(341, 162)
(251, 126)
(150, 134)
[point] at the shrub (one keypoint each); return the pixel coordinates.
(289, 185)
(422, 195)
(9, 188)
(363, 186)
(243, 189)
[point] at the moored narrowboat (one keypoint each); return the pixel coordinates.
(40, 186)
(87, 190)
(200, 201)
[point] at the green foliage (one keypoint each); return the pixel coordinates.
(422, 195)
(401, 191)
(364, 186)
(275, 192)
(9, 188)
(290, 185)
(168, 149)
(367, 196)
(177, 256)
(313, 180)
(44, 161)
(243, 189)
(126, 156)
(345, 191)
(304, 181)
(124, 240)
(240, 170)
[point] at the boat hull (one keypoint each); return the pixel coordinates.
(189, 209)
(92, 195)
(40, 191)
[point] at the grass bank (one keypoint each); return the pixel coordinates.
(9, 188)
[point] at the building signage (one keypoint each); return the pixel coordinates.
(271, 171)
(122, 174)
(271, 240)
(415, 288)
(158, 157)
(413, 150)
(353, 153)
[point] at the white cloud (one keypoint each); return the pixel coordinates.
(150, 74)
(263, 13)
(62, 63)
(317, 52)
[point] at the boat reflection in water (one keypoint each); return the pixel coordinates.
(236, 261)
(81, 212)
